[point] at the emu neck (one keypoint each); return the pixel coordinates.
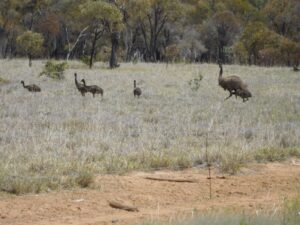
(76, 82)
(23, 85)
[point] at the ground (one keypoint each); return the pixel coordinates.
(259, 188)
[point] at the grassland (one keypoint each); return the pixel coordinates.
(59, 139)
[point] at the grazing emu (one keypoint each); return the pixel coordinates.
(245, 94)
(295, 68)
(80, 87)
(231, 83)
(94, 89)
(31, 87)
(136, 90)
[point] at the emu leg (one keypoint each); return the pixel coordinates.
(229, 95)
(245, 99)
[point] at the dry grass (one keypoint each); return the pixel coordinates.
(59, 136)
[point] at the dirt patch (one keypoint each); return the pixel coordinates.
(259, 188)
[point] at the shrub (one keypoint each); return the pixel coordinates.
(291, 212)
(195, 83)
(85, 59)
(3, 81)
(54, 70)
(84, 179)
(275, 154)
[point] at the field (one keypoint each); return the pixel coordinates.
(58, 139)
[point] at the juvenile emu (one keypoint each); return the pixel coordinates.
(80, 87)
(94, 89)
(31, 87)
(245, 94)
(231, 84)
(136, 90)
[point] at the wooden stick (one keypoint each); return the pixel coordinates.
(172, 180)
(119, 205)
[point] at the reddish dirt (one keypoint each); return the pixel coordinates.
(259, 188)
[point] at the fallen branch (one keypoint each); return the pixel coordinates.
(172, 180)
(118, 205)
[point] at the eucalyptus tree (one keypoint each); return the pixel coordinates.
(102, 18)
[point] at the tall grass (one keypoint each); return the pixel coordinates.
(55, 136)
(290, 215)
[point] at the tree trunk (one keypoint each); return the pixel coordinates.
(93, 50)
(30, 59)
(6, 50)
(113, 62)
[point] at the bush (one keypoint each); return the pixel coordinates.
(275, 154)
(85, 59)
(195, 83)
(3, 81)
(291, 212)
(54, 70)
(85, 179)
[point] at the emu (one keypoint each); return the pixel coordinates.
(31, 87)
(245, 94)
(94, 89)
(80, 87)
(136, 90)
(232, 84)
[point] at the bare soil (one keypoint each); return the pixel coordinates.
(259, 188)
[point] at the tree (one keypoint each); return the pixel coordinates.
(283, 17)
(102, 17)
(255, 37)
(31, 44)
(49, 26)
(151, 18)
(219, 32)
(289, 52)
(9, 25)
(241, 9)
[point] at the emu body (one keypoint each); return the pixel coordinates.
(31, 87)
(94, 89)
(80, 87)
(136, 90)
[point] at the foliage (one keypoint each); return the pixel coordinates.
(220, 32)
(85, 59)
(101, 15)
(195, 83)
(3, 81)
(202, 30)
(291, 212)
(54, 70)
(283, 16)
(275, 154)
(254, 38)
(172, 53)
(31, 43)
